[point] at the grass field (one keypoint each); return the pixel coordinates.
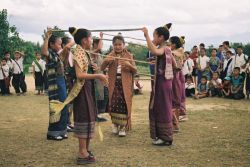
(216, 134)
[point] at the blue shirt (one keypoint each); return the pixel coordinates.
(238, 81)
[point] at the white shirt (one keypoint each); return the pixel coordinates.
(5, 70)
(16, 69)
(119, 69)
(239, 60)
(230, 69)
(189, 86)
(216, 82)
(10, 63)
(42, 64)
(203, 61)
(188, 66)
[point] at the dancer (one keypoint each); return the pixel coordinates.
(120, 73)
(160, 106)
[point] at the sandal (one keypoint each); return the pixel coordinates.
(87, 160)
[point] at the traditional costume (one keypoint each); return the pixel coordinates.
(120, 90)
(160, 106)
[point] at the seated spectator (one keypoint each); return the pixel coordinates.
(226, 87)
(215, 85)
(237, 82)
(202, 88)
(189, 87)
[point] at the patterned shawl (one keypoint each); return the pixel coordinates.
(81, 59)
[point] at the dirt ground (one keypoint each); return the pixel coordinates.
(216, 134)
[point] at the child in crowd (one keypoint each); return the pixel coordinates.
(226, 87)
(38, 70)
(189, 87)
(4, 78)
(203, 65)
(237, 84)
(18, 80)
(215, 85)
(227, 65)
(202, 88)
(214, 62)
(188, 65)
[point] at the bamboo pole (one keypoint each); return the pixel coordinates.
(104, 30)
(125, 37)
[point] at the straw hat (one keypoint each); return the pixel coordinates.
(21, 53)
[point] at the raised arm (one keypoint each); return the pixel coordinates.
(152, 48)
(45, 49)
(65, 52)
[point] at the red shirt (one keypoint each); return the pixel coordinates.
(194, 57)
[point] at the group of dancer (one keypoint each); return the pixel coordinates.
(116, 72)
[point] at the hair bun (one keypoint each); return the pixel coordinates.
(72, 31)
(168, 25)
(182, 39)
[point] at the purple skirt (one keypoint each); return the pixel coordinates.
(160, 110)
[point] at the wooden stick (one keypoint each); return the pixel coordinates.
(125, 37)
(103, 30)
(138, 61)
(126, 42)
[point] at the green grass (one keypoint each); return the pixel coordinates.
(216, 134)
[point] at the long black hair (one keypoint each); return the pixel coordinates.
(164, 31)
(79, 34)
(176, 40)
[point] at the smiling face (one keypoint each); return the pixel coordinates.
(118, 46)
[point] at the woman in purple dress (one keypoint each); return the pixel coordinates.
(160, 106)
(178, 81)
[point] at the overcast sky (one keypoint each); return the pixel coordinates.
(208, 21)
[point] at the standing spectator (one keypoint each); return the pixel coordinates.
(227, 47)
(227, 65)
(18, 80)
(188, 65)
(221, 53)
(194, 56)
(4, 78)
(203, 65)
(38, 70)
(240, 60)
(214, 62)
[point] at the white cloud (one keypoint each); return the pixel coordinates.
(205, 21)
